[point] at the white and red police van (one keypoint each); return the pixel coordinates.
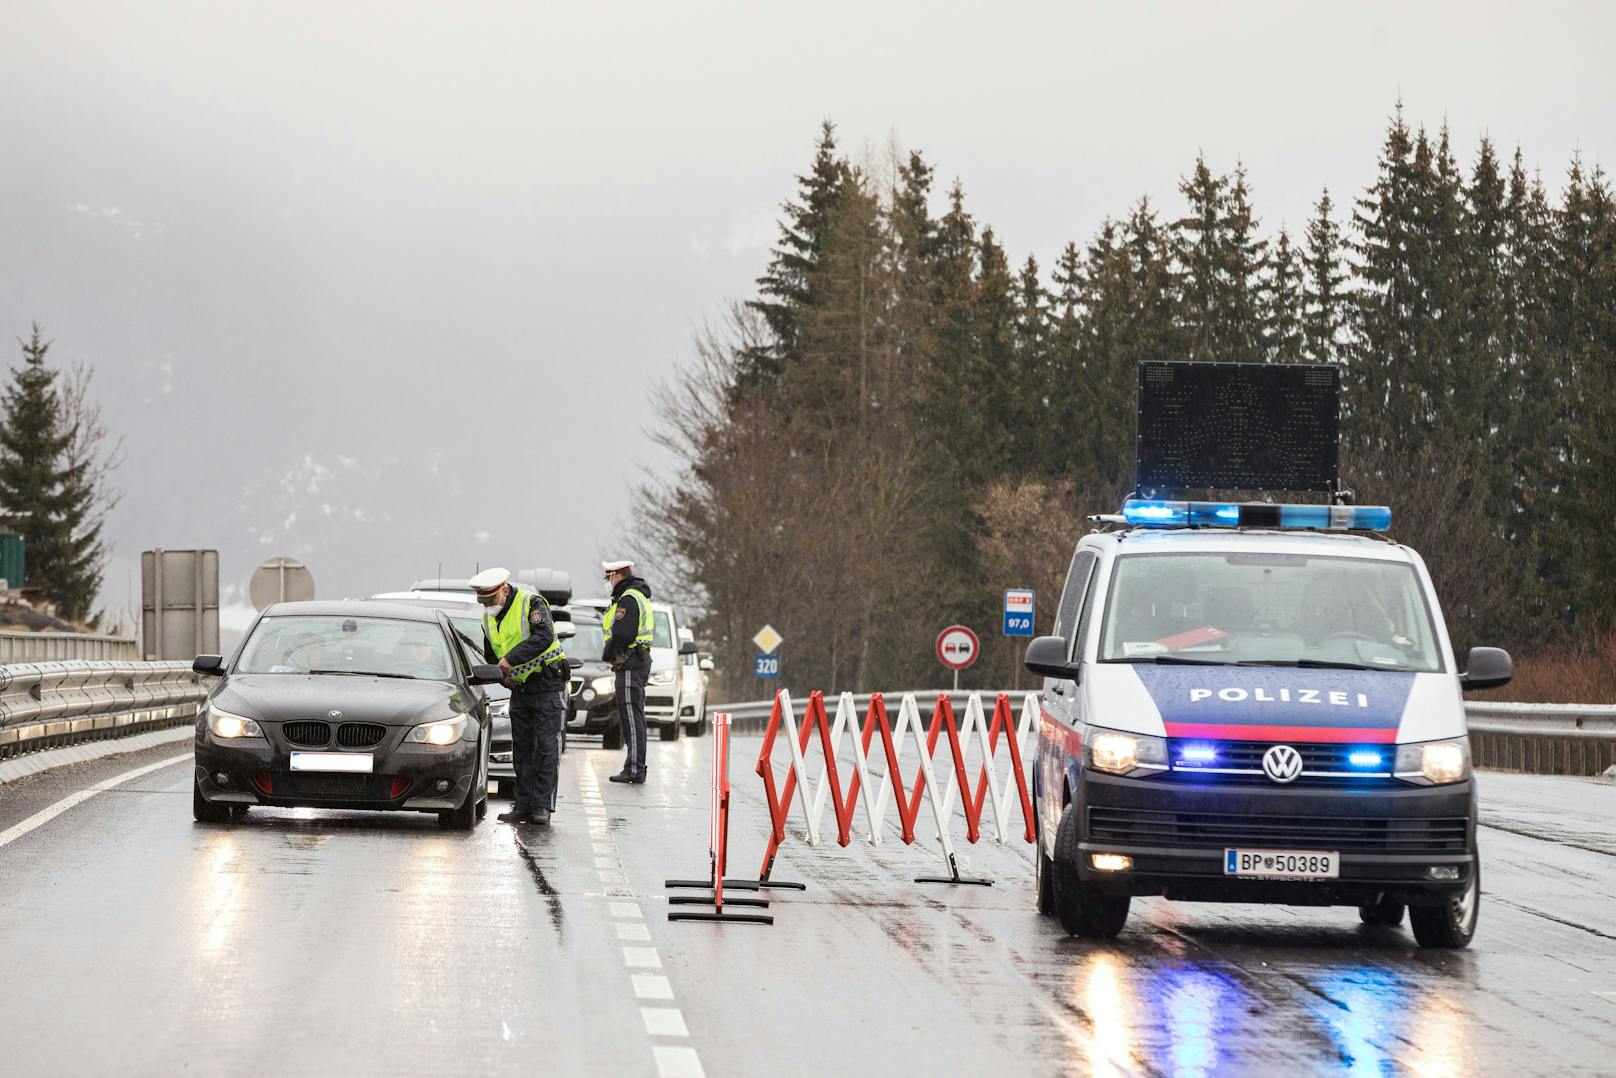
(1255, 702)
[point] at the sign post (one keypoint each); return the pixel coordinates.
(766, 664)
(957, 648)
(1019, 607)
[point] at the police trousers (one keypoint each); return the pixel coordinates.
(536, 718)
(631, 713)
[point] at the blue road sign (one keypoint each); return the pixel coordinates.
(1019, 604)
(767, 666)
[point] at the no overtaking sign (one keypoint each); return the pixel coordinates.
(957, 647)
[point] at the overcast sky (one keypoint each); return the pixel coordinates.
(382, 285)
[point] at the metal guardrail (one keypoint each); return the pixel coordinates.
(19, 647)
(43, 705)
(1544, 739)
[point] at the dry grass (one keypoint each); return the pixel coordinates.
(1585, 676)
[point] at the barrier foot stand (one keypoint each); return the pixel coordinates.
(763, 882)
(954, 876)
(697, 900)
(718, 913)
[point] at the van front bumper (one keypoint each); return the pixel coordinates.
(1394, 842)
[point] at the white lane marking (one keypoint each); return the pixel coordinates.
(664, 1022)
(677, 1062)
(629, 932)
(626, 909)
(605, 847)
(642, 957)
(651, 986)
(46, 815)
(605, 862)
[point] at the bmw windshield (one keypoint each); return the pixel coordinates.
(1259, 609)
(342, 644)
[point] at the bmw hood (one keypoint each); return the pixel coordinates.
(390, 701)
(1275, 703)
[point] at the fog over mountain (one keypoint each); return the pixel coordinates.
(383, 285)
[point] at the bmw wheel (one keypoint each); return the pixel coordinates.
(205, 811)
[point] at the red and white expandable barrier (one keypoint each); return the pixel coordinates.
(875, 794)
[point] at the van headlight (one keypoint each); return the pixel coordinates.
(661, 677)
(226, 726)
(1120, 753)
(1436, 763)
(441, 733)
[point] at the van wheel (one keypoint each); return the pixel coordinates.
(670, 732)
(1382, 911)
(1043, 880)
(1084, 910)
(1452, 924)
(205, 811)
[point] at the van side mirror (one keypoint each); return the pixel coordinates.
(688, 647)
(1047, 656)
(564, 629)
(486, 674)
(706, 662)
(1487, 668)
(213, 665)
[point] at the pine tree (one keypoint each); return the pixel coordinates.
(785, 288)
(32, 445)
(1240, 326)
(1201, 251)
(1284, 336)
(1325, 295)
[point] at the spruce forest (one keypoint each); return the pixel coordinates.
(905, 419)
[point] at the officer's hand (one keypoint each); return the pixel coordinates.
(505, 665)
(507, 683)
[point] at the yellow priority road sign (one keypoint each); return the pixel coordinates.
(767, 639)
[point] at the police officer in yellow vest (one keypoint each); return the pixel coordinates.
(520, 635)
(627, 625)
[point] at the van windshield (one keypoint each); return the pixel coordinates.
(1268, 609)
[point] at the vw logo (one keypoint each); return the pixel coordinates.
(1282, 763)
(335, 714)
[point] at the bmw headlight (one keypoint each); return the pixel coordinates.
(1434, 763)
(441, 733)
(224, 725)
(604, 685)
(1119, 753)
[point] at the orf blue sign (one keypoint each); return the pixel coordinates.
(1018, 611)
(767, 666)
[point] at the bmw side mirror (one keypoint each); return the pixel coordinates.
(1047, 656)
(212, 665)
(486, 674)
(1487, 668)
(688, 647)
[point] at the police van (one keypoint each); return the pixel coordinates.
(1253, 701)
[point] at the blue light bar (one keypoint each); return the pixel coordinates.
(1149, 513)
(1364, 759)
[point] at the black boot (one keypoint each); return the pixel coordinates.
(515, 815)
(624, 775)
(639, 777)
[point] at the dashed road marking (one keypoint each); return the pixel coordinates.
(631, 933)
(678, 1062)
(651, 986)
(642, 957)
(626, 909)
(664, 1022)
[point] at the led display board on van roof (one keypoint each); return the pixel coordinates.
(1237, 426)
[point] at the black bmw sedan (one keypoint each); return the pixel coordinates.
(354, 705)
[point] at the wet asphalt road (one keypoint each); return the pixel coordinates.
(135, 941)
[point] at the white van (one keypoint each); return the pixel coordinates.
(1256, 703)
